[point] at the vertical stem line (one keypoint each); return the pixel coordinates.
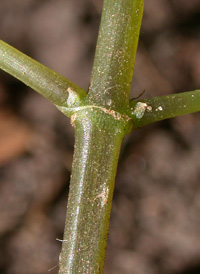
(115, 53)
(97, 145)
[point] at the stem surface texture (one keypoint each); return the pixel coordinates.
(98, 137)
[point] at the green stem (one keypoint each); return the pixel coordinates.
(97, 145)
(156, 109)
(115, 53)
(99, 129)
(50, 84)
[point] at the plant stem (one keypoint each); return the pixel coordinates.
(50, 84)
(115, 53)
(164, 107)
(97, 145)
(101, 119)
(99, 129)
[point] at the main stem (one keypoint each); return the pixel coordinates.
(100, 126)
(115, 53)
(98, 138)
(101, 119)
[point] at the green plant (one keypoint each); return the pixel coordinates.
(101, 119)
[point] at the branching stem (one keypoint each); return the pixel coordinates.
(50, 84)
(164, 107)
(101, 119)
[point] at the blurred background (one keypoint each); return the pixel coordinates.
(155, 220)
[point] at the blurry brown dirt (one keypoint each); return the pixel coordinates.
(155, 221)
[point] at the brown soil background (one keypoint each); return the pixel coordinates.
(155, 220)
